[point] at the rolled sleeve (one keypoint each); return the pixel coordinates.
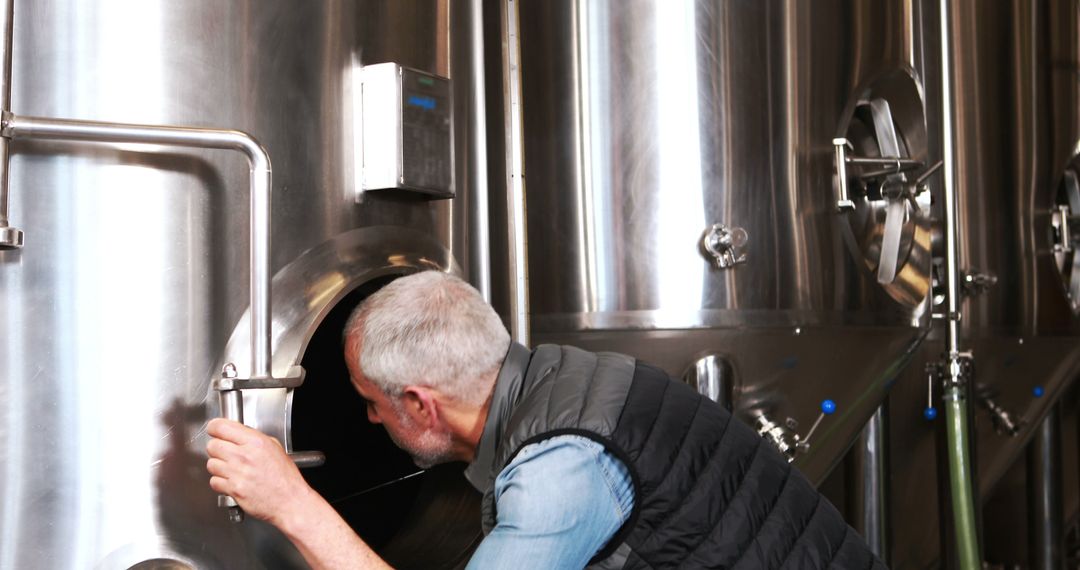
(558, 503)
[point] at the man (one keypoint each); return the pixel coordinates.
(582, 458)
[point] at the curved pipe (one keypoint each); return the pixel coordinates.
(15, 127)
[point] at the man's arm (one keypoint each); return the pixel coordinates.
(254, 469)
(558, 503)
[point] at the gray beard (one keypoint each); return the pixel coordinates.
(428, 450)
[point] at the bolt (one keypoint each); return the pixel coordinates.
(229, 370)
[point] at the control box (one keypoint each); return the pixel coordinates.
(407, 141)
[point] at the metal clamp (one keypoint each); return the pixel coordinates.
(722, 245)
(955, 372)
(782, 437)
(974, 282)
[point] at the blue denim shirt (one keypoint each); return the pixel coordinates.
(558, 502)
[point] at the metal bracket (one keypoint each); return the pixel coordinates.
(230, 381)
(722, 245)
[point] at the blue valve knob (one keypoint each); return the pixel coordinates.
(930, 413)
(1038, 391)
(828, 407)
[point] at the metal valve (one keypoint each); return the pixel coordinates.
(782, 437)
(723, 245)
(785, 438)
(1004, 422)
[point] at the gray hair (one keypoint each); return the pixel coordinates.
(429, 329)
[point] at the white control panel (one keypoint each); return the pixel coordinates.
(407, 131)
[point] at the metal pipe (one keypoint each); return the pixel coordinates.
(957, 406)
(871, 475)
(897, 164)
(515, 175)
(16, 127)
(1045, 511)
(10, 238)
(480, 226)
(713, 378)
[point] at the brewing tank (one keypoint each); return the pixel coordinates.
(131, 292)
(684, 199)
(1016, 138)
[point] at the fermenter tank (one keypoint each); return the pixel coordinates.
(130, 293)
(685, 203)
(1016, 141)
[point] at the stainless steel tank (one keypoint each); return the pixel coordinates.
(115, 316)
(1014, 68)
(684, 199)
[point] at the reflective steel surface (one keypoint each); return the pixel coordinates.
(1015, 72)
(115, 314)
(647, 122)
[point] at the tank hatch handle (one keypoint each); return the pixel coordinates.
(896, 208)
(230, 387)
(1060, 217)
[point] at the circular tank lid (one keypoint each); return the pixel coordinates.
(1065, 233)
(886, 206)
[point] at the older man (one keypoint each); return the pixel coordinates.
(583, 459)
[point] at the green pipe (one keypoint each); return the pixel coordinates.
(963, 502)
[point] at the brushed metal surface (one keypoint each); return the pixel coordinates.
(116, 312)
(647, 122)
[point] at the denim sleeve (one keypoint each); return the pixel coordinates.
(557, 503)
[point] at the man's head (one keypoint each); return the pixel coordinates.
(418, 350)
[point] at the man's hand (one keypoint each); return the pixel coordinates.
(254, 469)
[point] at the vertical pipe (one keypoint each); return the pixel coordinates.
(1045, 509)
(515, 182)
(713, 378)
(480, 224)
(261, 186)
(10, 238)
(871, 470)
(956, 404)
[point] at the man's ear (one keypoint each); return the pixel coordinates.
(422, 405)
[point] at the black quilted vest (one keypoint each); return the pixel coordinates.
(709, 492)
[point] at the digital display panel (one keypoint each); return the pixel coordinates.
(421, 101)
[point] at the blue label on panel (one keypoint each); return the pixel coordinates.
(422, 102)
